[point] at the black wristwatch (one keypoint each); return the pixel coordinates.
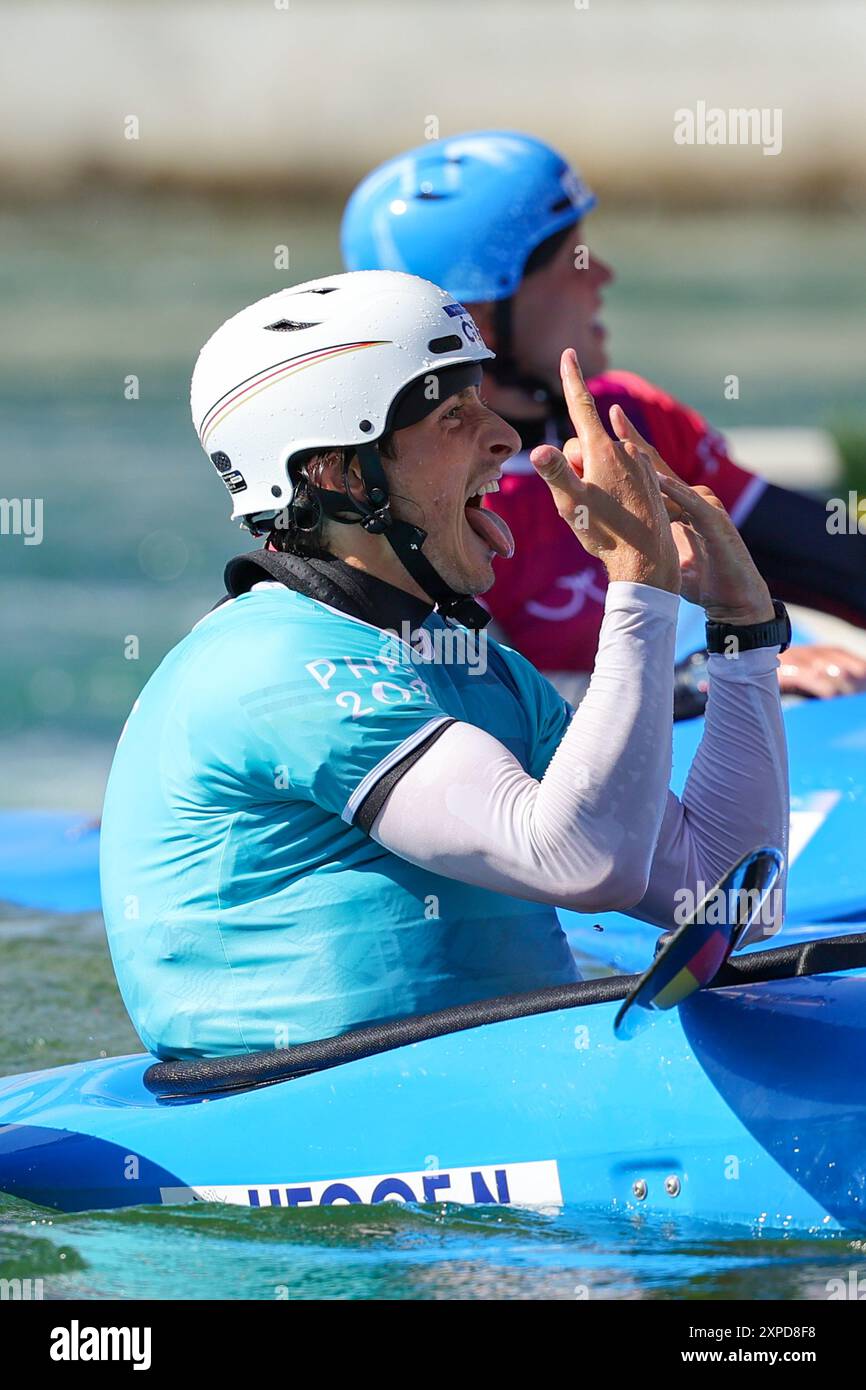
(726, 638)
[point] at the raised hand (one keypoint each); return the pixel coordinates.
(717, 570)
(609, 493)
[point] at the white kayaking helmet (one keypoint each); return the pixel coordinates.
(334, 363)
(319, 366)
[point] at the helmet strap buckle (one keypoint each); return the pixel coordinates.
(375, 523)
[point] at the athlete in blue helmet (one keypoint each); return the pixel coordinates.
(496, 217)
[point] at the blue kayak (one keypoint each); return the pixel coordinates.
(746, 1105)
(49, 860)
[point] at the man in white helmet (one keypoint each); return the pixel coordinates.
(314, 824)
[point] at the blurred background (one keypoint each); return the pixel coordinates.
(253, 120)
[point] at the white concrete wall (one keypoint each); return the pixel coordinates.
(801, 459)
(246, 92)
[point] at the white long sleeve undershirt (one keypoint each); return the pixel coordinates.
(601, 830)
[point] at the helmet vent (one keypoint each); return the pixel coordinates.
(288, 325)
(450, 343)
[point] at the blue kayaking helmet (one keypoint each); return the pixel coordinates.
(467, 213)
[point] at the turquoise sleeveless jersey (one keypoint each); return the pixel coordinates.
(245, 907)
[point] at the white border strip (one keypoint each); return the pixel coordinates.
(535, 1184)
(747, 499)
(366, 785)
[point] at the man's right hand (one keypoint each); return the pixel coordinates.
(608, 492)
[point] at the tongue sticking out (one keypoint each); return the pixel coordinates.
(492, 529)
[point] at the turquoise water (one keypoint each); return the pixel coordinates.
(393, 1252)
(135, 537)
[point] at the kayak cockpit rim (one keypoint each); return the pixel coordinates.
(178, 1081)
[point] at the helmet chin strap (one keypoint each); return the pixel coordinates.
(504, 368)
(405, 540)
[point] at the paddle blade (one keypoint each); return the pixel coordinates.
(694, 954)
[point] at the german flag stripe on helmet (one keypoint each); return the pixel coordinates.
(244, 391)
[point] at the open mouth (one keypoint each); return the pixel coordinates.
(475, 498)
(486, 525)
